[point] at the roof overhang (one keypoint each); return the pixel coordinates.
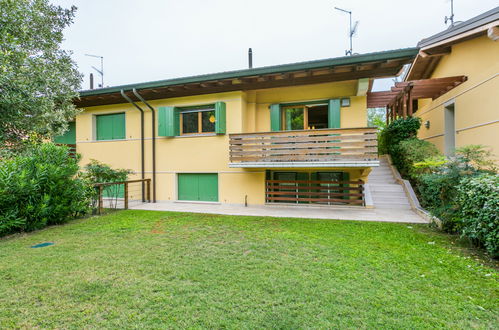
(432, 49)
(372, 65)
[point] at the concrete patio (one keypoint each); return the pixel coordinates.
(405, 215)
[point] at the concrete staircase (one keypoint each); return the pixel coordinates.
(385, 191)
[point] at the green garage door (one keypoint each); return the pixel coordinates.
(198, 187)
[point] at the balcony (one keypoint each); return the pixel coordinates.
(339, 147)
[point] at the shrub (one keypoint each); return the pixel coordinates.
(412, 151)
(97, 172)
(398, 130)
(40, 187)
(478, 200)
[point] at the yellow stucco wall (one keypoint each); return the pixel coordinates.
(475, 101)
(246, 112)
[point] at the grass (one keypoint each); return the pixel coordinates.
(141, 269)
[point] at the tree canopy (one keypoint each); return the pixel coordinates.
(38, 79)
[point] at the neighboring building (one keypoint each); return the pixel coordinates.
(469, 113)
(292, 133)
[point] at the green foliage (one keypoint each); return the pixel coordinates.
(411, 151)
(40, 187)
(478, 201)
(38, 80)
(97, 172)
(476, 156)
(376, 117)
(398, 130)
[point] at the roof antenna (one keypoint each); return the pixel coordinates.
(101, 71)
(351, 31)
(451, 17)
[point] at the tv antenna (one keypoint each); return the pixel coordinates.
(101, 71)
(451, 17)
(351, 31)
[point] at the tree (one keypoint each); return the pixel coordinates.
(376, 117)
(38, 79)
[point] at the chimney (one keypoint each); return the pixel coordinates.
(91, 81)
(250, 58)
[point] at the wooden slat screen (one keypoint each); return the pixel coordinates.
(315, 192)
(305, 145)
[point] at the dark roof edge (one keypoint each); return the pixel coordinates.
(477, 21)
(282, 68)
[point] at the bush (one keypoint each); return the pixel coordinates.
(412, 151)
(40, 187)
(398, 130)
(478, 200)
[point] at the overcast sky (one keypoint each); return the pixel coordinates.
(146, 40)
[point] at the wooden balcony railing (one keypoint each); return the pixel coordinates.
(318, 145)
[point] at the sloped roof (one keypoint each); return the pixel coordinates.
(370, 65)
(477, 21)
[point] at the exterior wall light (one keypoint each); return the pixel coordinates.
(427, 124)
(345, 102)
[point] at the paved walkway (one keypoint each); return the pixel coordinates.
(311, 212)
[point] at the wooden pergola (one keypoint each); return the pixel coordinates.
(399, 100)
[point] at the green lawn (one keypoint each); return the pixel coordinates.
(140, 269)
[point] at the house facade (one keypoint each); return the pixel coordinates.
(469, 113)
(292, 133)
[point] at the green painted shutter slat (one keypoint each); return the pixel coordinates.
(275, 117)
(104, 127)
(220, 123)
(168, 121)
(69, 137)
(334, 114)
(118, 126)
(110, 127)
(208, 187)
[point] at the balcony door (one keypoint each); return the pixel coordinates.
(305, 117)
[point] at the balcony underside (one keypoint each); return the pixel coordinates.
(331, 164)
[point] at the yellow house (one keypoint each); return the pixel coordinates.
(293, 133)
(454, 79)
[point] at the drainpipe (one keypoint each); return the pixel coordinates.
(141, 139)
(153, 113)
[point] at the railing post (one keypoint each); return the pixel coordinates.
(100, 199)
(126, 195)
(148, 190)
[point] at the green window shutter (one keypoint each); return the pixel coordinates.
(118, 126)
(104, 126)
(168, 121)
(275, 117)
(220, 123)
(334, 116)
(69, 137)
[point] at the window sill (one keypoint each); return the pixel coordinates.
(196, 135)
(109, 140)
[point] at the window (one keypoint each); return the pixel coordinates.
(173, 121)
(305, 117)
(110, 127)
(197, 121)
(324, 114)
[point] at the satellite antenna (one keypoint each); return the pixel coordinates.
(351, 31)
(101, 71)
(451, 17)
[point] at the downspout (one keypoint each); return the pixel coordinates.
(141, 138)
(153, 142)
